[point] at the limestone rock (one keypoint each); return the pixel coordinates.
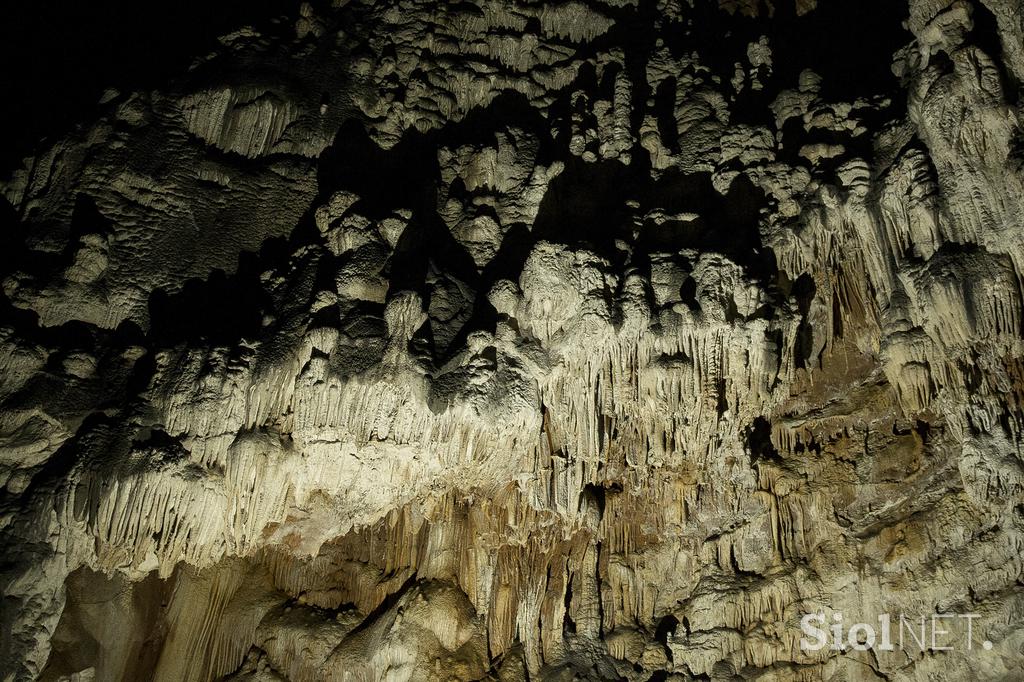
(586, 340)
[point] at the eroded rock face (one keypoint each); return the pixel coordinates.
(518, 341)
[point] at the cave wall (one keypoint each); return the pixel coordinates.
(520, 340)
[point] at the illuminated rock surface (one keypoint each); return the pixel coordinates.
(594, 340)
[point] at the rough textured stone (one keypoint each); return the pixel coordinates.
(525, 340)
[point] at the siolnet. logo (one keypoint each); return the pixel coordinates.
(933, 632)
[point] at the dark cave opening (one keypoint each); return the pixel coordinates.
(666, 628)
(759, 441)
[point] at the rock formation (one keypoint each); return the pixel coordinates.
(525, 340)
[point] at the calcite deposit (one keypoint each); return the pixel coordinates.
(523, 340)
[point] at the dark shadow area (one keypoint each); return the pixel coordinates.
(586, 206)
(759, 442)
(87, 219)
(408, 176)
(568, 624)
(666, 628)
(95, 428)
(405, 176)
(664, 111)
(985, 35)
(221, 309)
(804, 291)
(728, 224)
(593, 497)
(849, 44)
(59, 57)
(13, 252)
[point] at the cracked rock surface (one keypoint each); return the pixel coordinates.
(524, 340)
